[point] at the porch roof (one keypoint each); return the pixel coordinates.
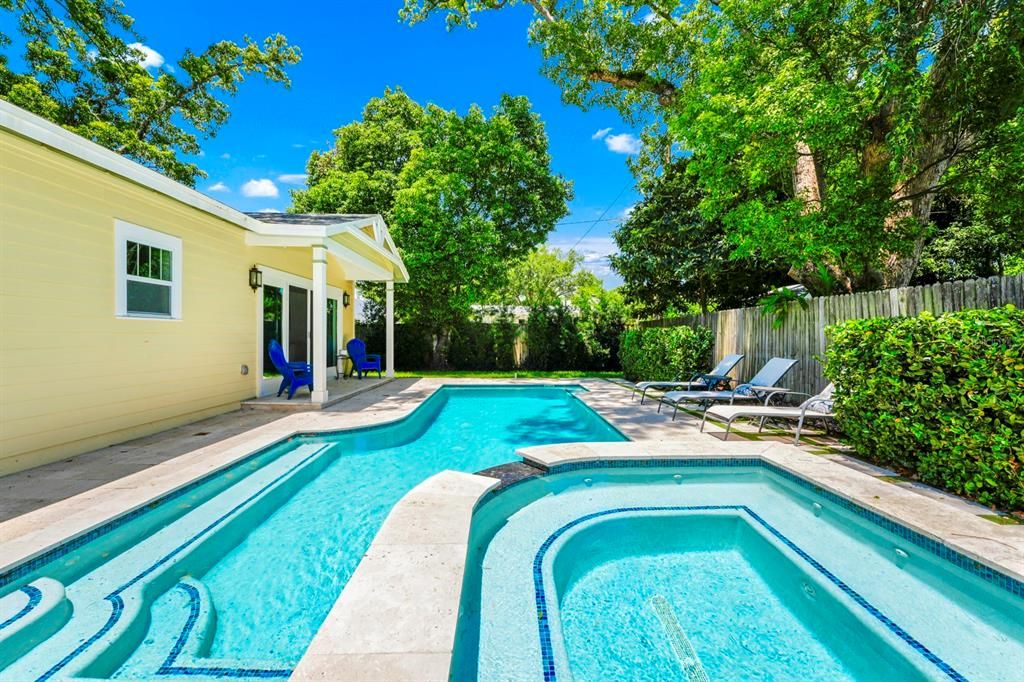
(360, 241)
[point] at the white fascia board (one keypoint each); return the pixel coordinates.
(253, 239)
(370, 271)
(394, 258)
(38, 129)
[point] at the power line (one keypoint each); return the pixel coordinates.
(600, 218)
(584, 222)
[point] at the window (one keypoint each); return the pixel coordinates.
(148, 272)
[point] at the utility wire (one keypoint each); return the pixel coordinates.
(603, 213)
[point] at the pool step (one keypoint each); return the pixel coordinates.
(112, 603)
(29, 616)
(183, 626)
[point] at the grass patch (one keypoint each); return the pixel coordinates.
(1001, 520)
(519, 374)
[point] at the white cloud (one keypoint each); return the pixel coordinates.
(626, 212)
(225, 156)
(263, 187)
(623, 143)
(292, 178)
(150, 58)
(218, 187)
(268, 210)
(600, 133)
(650, 18)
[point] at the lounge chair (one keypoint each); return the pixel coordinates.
(697, 382)
(294, 375)
(361, 360)
(755, 390)
(815, 407)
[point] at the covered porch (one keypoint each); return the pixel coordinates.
(313, 318)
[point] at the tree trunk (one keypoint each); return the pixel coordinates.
(439, 349)
(914, 201)
(808, 187)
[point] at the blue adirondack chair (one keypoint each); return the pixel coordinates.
(361, 360)
(294, 375)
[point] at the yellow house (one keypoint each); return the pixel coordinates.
(130, 303)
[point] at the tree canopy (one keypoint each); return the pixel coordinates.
(83, 67)
(671, 257)
(862, 109)
(464, 196)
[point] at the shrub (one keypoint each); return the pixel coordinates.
(939, 397)
(665, 353)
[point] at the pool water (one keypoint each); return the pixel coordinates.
(727, 572)
(234, 578)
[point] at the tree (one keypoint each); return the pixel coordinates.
(671, 256)
(463, 195)
(84, 68)
(865, 109)
(544, 278)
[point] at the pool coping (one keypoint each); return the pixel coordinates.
(430, 524)
(397, 616)
(1001, 548)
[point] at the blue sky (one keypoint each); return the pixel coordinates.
(351, 52)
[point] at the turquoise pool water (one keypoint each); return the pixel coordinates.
(233, 578)
(716, 573)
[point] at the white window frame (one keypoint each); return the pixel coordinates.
(125, 232)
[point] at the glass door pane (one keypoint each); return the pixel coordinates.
(332, 331)
(273, 319)
(298, 324)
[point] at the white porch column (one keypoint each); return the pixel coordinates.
(319, 324)
(389, 336)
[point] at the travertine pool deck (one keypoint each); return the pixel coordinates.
(396, 617)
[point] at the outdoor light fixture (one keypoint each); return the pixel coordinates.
(345, 299)
(255, 278)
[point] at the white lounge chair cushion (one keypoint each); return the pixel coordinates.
(730, 412)
(697, 396)
(670, 384)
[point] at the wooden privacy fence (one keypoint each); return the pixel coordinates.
(802, 333)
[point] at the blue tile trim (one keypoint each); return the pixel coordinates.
(168, 667)
(117, 604)
(26, 567)
(934, 547)
(35, 595)
(540, 597)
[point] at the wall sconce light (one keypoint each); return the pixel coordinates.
(255, 278)
(345, 299)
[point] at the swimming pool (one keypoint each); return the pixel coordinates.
(231, 577)
(722, 570)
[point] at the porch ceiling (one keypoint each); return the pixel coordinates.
(360, 242)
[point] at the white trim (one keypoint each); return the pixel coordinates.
(125, 232)
(36, 128)
(282, 279)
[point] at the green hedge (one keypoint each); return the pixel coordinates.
(665, 353)
(940, 398)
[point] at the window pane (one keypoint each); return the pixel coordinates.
(165, 265)
(150, 299)
(133, 259)
(143, 260)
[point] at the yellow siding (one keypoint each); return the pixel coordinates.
(73, 376)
